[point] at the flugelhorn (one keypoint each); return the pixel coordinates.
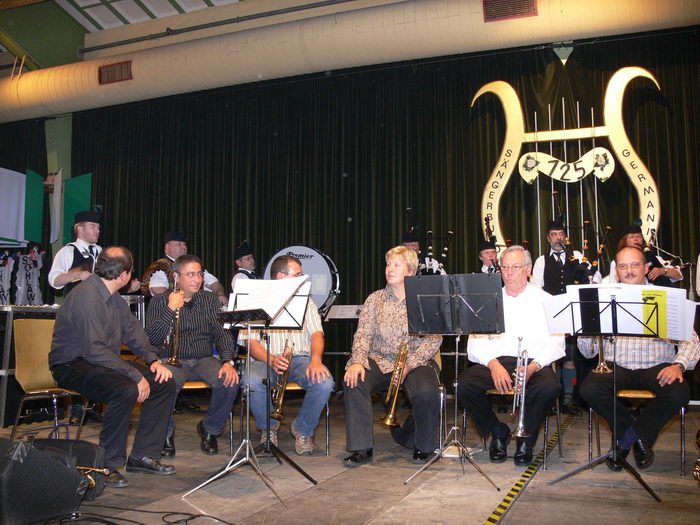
(174, 358)
(602, 367)
(519, 386)
(280, 386)
(392, 394)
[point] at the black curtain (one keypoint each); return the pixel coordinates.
(333, 161)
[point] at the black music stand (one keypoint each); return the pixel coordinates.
(591, 326)
(454, 305)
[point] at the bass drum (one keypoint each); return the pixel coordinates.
(325, 282)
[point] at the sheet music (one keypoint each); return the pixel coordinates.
(271, 296)
(642, 310)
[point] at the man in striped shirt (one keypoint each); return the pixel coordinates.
(642, 363)
(199, 332)
(305, 367)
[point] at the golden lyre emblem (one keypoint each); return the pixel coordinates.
(597, 161)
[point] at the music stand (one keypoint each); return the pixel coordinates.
(259, 317)
(591, 325)
(454, 305)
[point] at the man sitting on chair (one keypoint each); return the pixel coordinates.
(199, 333)
(496, 355)
(642, 363)
(307, 367)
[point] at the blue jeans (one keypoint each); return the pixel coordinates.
(222, 397)
(316, 397)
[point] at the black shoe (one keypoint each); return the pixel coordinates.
(169, 446)
(616, 466)
(149, 466)
(571, 409)
(643, 455)
(422, 457)
(115, 480)
(498, 449)
(357, 458)
(209, 445)
(523, 453)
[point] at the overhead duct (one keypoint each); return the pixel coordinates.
(387, 33)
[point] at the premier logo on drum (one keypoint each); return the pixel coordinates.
(300, 255)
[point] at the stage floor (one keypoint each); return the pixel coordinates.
(375, 493)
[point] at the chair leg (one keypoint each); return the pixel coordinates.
(590, 435)
(682, 441)
(597, 433)
(561, 438)
(17, 418)
(328, 429)
(87, 405)
(546, 440)
(441, 427)
(230, 432)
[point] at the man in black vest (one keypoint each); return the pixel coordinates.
(488, 257)
(245, 263)
(553, 273)
(75, 262)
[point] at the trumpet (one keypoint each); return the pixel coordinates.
(392, 394)
(602, 367)
(519, 386)
(280, 386)
(174, 338)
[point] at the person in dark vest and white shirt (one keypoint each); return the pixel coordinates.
(91, 326)
(488, 257)
(245, 263)
(553, 273)
(75, 262)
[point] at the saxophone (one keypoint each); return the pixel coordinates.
(280, 386)
(392, 394)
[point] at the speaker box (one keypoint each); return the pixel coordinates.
(37, 484)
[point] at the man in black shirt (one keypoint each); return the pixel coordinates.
(91, 325)
(199, 332)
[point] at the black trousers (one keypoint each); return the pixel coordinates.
(596, 390)
(422, 388)
(119, 393)
(542, 389)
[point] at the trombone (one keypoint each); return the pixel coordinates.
(519, 386)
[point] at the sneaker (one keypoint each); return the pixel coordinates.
(303, 445)
(273, 437)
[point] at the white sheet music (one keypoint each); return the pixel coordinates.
(641, 310)
(284, 300)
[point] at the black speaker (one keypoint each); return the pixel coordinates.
(37, 484)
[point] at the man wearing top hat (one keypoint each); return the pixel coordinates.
(661, 272)
(75, 262)
(553, 273)
(158, 276)
(245, 263)
(488, 257)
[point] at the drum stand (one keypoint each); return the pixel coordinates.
(245, 454)
(456, 438)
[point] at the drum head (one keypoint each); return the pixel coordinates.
(325, 283)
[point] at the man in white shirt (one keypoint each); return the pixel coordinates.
(245, 263)
(158, 277)
(495, 357)
(488, 257)
(75, 262)
(643, 363)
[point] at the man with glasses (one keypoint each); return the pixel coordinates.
(306, 367)
(158, 277)
(91, 325)
(642, 362)
(494, 357)
(199, 332)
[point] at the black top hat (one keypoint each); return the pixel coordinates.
(486, 245)
(242, 250)
(87, 216)
(175, 236)
(632, 228)
(410, 235)
(555, 225)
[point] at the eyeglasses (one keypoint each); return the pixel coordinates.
(513, 267)
(192, 275)
(298, 274)
(634, 265)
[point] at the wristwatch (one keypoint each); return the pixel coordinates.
(681, 366)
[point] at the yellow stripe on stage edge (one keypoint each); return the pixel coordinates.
(504, 506)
